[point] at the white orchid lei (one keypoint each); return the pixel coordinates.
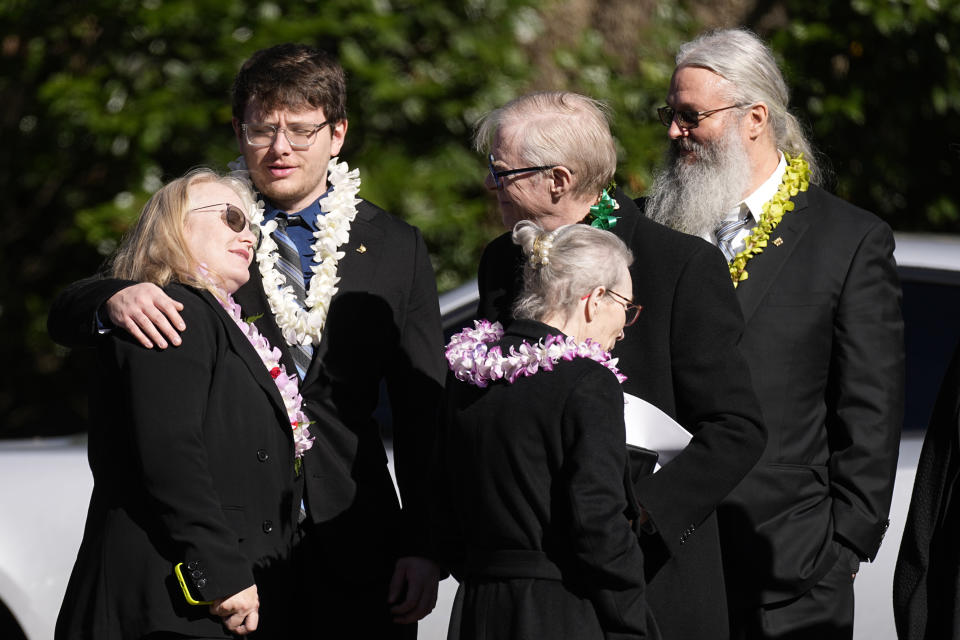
(287, 385)
(472, 361)
(299, 325)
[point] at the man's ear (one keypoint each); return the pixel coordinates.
(338, 133)
(238, 133)
(758, 119)
(561, 180)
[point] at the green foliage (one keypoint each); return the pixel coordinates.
(879, 83)
(105, 100)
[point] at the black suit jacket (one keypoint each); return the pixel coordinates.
(681, 356)
(537, 511)
(824, 342)
(193, 462)
(926, 584)
(383, 325)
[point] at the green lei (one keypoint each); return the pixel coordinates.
(601, 214)
(796, 179)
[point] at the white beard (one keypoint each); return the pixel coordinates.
(693, 197)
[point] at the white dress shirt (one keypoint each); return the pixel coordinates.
(754, 204)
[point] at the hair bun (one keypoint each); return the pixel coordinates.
(540, 253)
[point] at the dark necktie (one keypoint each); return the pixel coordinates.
(291, 267)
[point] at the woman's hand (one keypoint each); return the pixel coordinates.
(239, 612)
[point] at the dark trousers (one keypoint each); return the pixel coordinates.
(343, 595)
(825, 612)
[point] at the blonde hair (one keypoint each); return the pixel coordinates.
(579, 258)
(155, 248)
(557, 128)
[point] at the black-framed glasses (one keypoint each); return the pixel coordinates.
(231, 215)
(497, 174)
(300, 136)
(631, 310)
(687, 118)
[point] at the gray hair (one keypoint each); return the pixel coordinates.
(580, 258)
(740, 57)
(557, 128)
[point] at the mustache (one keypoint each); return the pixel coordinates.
(685, 144)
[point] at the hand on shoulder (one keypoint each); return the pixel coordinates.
(148, 314)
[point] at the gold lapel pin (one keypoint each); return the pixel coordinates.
(361, 249)
(778, 241)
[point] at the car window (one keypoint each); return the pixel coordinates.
(931, 315)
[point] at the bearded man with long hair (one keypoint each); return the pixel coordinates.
(818, 288)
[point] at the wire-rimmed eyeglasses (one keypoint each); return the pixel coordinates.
(686, 118)
(300, 136)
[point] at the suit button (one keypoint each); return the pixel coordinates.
(262, 455)
(267, 526)
(196, 575)
(193, 565)
(201, 583)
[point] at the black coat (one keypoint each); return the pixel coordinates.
(383, 326)
(193, 462)
(926, 583)
(538, 529)
(681, 356)
(824, 341)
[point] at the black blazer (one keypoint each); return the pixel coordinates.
(682, 356)
(824, 342)
(383, 325)
(925, 584)
(537, 512)
(193, 462)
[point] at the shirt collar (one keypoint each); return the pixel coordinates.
(309, 215)
(765, 192)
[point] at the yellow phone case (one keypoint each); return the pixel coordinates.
(185, 588)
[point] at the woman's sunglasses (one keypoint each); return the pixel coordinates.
(233, 217)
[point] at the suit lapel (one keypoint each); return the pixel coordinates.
(356, 269)
(762, 269)
(253, 302)
(246, 352)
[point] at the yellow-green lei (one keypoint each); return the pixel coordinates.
(795, 180)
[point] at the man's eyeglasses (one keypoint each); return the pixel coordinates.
(497, 174)
(687, 118)
(632, 310)
(231, 215)
(300, 136)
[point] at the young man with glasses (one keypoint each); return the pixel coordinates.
(552, 158)
(347, 293)
(823, 340)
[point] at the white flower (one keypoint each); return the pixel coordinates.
(305, 325)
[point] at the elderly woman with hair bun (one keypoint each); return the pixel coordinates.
(537, 524)
(193, 449)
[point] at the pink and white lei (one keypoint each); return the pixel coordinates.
(287, 385)
(472, 361)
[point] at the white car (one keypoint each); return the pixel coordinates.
(45, 484)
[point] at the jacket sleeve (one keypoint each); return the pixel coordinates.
(415, 383)
(604, 545)
(499, 279)
(865, 394)
(714, 398)
(168, 392)
(72, 321)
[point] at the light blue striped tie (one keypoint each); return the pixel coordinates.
(292, 270)
(728, 230)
